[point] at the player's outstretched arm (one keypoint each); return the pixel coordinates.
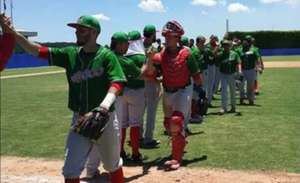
(30, 47)
(7, 43)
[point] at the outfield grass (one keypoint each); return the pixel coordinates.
(281, 58)
(9, 72)
(35, 120)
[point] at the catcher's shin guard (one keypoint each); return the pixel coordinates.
(73, 180)
(178, 138)
(117, 176)
(134, 138)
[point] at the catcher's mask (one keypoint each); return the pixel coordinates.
(172, 28)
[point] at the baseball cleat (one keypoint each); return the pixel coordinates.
(172, 164)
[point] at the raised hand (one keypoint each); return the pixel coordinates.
(5, 24)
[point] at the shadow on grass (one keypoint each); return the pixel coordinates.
(254, 105)
(159, 163)
(189, 134)
(196, 133)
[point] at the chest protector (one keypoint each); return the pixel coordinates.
(175, 71)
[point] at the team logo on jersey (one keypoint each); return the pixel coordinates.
(85, 75)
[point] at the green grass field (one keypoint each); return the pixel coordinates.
(281, 58)
(35, 121)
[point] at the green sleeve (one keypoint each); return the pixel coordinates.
(258, 52)
(192, 64)
(61, 56)
(113, 68)
(132, 69)
(237, 58)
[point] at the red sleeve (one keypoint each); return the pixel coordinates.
(117, 85)
(44, 52)
(7, 44)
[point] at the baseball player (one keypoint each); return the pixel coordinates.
(95, 78)
(199, 52)
(249, 58)
(191, 43)
(7, 42)
(229, 64)
(260, 67)
(184, 41)
(176, 65)
(119, 45)
(152, 93)
(131, 105)
(212, 49)
(217, 72)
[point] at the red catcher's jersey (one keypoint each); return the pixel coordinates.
(175, 71)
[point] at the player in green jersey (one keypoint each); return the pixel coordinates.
(95, 79)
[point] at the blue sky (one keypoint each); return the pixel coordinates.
(198, 17)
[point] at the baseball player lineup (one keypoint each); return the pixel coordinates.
(111, 88)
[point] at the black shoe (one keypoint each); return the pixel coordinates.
(150, 144)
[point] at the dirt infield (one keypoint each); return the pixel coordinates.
(282, 64)
(25, 170)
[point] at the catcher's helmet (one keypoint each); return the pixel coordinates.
(172, 28)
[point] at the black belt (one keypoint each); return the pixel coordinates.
(175, 89)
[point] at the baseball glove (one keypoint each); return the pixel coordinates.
(92, 124)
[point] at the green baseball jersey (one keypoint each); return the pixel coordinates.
(89, 75)
(257, 51)
(238, 49)
(228, 62)
(192, 64)
(209, 56)
(131, 71)
(249, 58)
(217, 60)
(199, 56)
(138, 60)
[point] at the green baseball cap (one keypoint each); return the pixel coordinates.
(120, 37)
(248, 37)
(86, 21)
(149, 29)
(225, 42)
(134, 35)
(184, 40)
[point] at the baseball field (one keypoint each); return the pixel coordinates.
(260, 143)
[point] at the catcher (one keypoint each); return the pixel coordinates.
(177, 66)
(95, 79)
